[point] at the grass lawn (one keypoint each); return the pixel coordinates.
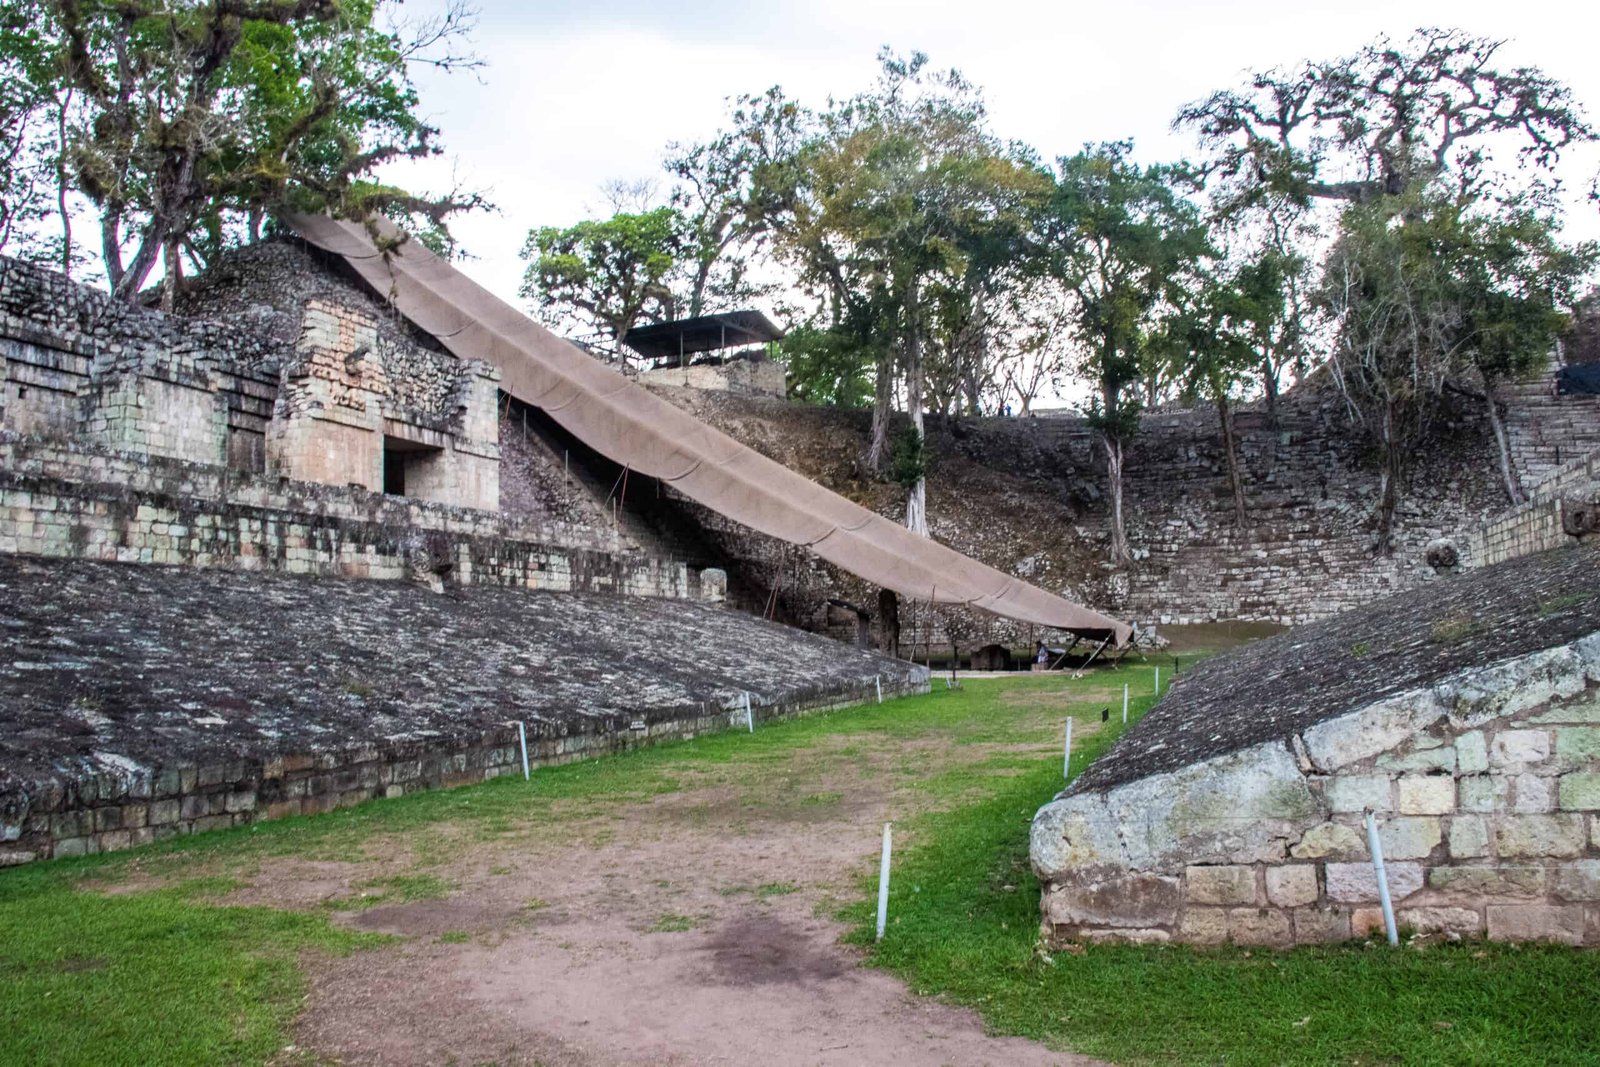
(966, 917)
(135, 958)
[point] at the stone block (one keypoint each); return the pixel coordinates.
(164, 812)
(1425, 760)
(1562, 923)
(1334, 839)
(1427, 794)
(1365, 922)
(1259, 926)
(1472, 753)
(1577, 881)
(1539, 835)
(1221, 885)
(1409, 838)
(1358, 792)
(1469, 837)
(1485, 793)
(1517, 880)
(1518, 748)
(1135, 900)
(1292, 885)
(1457, 922)
(1579, 792)
(1321, 926)
(1532, 794)
(1152, 936)
(1355, 883)
(135, 816)
(1578, 745)
(1204, 926)
(241, 801)
(115, 840)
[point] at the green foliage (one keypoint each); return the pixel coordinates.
(610, 273)
(187, 120)
(908, 460)
(827, 366)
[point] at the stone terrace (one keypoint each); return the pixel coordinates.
(137, 702)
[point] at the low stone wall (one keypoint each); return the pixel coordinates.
(1539, 524)
(76, 502)
(114, 803)
(1486, 789)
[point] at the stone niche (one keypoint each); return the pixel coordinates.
(333, 421)
(1486, 791)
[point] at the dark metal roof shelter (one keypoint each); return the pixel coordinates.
(705, 333)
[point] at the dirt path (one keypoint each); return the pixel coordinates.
(691, 928)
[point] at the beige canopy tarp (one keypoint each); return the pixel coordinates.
(634, 427)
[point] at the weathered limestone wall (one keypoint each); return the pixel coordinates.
(749, 377)
(119, 804)
(323, 404)
(1487, 794)
(1540, 523)
(73, 502)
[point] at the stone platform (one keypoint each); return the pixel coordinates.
(139, 702)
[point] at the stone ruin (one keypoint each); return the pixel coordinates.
(1465, 716)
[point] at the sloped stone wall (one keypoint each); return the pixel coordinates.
(1486, 790)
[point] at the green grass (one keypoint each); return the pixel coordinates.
(965, 925)
(169, 976)
(145, 978)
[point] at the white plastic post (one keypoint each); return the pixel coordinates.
(879, 680)
(749, 716)
(1124, 703)
(883, 880)
(1383, 879)
(1158, 681)
(522, 739)
(1066, 754)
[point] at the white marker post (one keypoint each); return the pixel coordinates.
(749, 716)
(1158, 681)
(1066, 754)
(879, 680)
(522, 739)
(1124, 704)
(1383, 879)
(883, 880)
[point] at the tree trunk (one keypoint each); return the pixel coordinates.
(255, 224)
(144, 261)
(1231, 448)
(888, 623)
(1502, 444)
(1121, 555)
(1269, 386)
(1388, 486)
(879, 447)
(173, 265)
(917, 499)
(111, 247)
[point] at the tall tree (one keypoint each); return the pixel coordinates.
(1385, 121)
(1124, 241)
(723, 191)
(605, 275)
(183, 117)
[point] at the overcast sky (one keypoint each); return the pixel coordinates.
(574, 95)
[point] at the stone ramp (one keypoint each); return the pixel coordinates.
(138, 702)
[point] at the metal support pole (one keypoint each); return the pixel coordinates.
(749, 716)
(883, 879)
(1383, 878)
(1066, 754)
(522, 739)
(1124, 704)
